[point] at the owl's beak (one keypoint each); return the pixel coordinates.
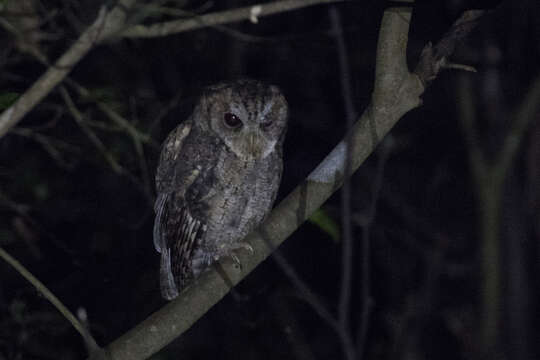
(254, 144)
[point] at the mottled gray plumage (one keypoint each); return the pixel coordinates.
(217, 178)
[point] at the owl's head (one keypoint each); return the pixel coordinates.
(250, 117)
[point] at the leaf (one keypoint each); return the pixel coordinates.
(41, 191)
(326, 224)
(7, 99)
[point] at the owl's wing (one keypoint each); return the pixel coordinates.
(170, 151)
(179, 233)
(166, 279)
(181, 185)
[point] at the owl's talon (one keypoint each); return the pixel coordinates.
(238, 246)
(236, 261)
(247, 247)
(242, 245)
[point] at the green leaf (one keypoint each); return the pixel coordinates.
(41, 191)
(326, 224)
(7, 99)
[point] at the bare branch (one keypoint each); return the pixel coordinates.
(78, 117)
(526, 113)
(366, 223)
(346, 191)
(122, 123)
(251, 13)
(111, 23)
(52, 146)
(106, 24)
(88, 339)
(489, 176)
(435, 58)
(307, 294)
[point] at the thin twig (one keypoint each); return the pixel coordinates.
(116, 118)
(317, 305)
(346, 190)
(190, 15)
(251, 13)
(18, 208)
(435, 58)
(307, 294)
(449, 65)
(88, 339)
(527, 112)
(50, 145)
(365, 282)
(165, 109)
(106, 24)
(293, 330)
(115, 165)
(94, 139)
(489, 177)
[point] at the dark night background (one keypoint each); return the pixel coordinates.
(85, 229)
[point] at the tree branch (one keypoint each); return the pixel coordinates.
(106, 24)
(489, 177)
(251, 13)
(346, 190)
(111, 23)
(87, 337)
(435, 58)
(526, 113)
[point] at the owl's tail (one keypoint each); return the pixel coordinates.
(159, 207)
(166, 280)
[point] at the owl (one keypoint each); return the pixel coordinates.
(217, 178)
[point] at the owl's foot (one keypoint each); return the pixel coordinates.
(242, 245)
(229, 251)
(236, 260)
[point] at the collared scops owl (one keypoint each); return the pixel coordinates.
(217, 178)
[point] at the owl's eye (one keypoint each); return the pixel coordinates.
(232, 120)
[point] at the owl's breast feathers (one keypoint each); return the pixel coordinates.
(219, 206)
